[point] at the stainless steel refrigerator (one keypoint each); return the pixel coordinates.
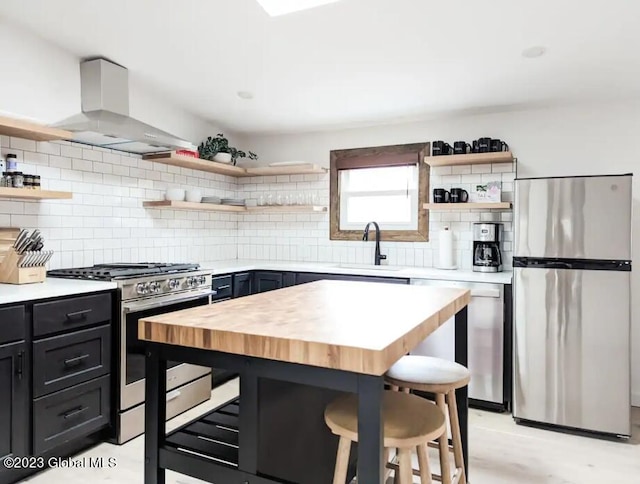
(572, 314)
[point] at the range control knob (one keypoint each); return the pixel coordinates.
(142, 288)
(191, 281)
(173, 284)
(202, 279)
(154, 287)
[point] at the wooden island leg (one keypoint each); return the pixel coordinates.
(462, 394)
(370, 440)
(155, 395)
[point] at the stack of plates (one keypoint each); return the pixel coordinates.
(214, 200)
(238, 202)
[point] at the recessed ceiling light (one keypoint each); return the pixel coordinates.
(283, 7)
(245, 95)
(533, 52)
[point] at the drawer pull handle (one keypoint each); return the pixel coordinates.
(72, 362)
(73, 412)
(20, 369)
(173, 395)
(78, 314)
(220, 288)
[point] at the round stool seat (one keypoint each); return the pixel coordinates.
(425, 371)
(408, 420)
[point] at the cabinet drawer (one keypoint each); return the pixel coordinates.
(75, 412)
(62, 361)
(221, 286)
(70, 314)
(12, 324)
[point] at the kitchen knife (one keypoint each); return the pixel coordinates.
(20, 241)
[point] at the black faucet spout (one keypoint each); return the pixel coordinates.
(378, 256)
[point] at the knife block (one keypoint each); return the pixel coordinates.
(10, 273)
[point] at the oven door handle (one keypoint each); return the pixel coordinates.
(132, 308)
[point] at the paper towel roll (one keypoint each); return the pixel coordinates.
(445, 255)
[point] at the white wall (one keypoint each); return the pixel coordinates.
(41, 82)
(568, 140)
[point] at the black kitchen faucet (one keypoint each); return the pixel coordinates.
(365, 237)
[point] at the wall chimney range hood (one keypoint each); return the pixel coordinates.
(104, 120)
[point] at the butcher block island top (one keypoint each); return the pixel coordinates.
(354, 326)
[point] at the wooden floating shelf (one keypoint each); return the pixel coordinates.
(196, 164)
(288, 209)
(467, 206)
(470, 159)
(33, 131)
(230, 170)
(286, 170)
(29, 194)
(207, 207)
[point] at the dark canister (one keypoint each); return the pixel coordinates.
(484, 145)
(440, 195)
(440, 148)
(460, 148)
(499, 145)
(459, 195)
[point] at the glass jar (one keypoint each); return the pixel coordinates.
(28, 181)
(7, 179)
(18, 179)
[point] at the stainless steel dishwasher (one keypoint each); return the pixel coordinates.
(488, 343)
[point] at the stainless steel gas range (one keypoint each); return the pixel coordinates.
(149, 289)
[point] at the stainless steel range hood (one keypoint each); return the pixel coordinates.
(105, 120)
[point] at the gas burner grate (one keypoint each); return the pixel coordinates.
(108, 272)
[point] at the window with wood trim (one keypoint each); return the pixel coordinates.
(385, 184)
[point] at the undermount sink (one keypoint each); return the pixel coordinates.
(369, 267)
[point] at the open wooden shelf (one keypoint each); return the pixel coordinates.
(470, 159)
(288, 208)
(28, 130)
(467, 206)
(207, 207)
(286, 170)
(230, 170)
(196, 164)
(29, 194)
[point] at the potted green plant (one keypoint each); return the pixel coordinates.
(218, 149)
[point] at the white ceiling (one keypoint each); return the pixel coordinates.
(353, 62)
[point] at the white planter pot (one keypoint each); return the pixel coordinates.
(222, 157)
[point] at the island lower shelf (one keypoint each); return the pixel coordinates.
(294, 444)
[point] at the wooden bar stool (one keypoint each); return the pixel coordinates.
(442, 378)
(409, 422)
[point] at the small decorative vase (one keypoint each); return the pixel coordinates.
(222, 157)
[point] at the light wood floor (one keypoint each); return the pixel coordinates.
(501, 453)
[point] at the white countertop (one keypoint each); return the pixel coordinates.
(54, 287)
(224, 267)
(51, 287)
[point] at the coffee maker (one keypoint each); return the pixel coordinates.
(486, 247)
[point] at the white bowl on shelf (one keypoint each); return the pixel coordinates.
(222, 157)
(194, 196)
(175, 194)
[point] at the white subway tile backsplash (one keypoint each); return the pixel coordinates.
(22, 144)
(305, 237)
(105, 220)
(481, 168)
(461, 169)
(93, 155)
(98, 224)
(48, 147)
